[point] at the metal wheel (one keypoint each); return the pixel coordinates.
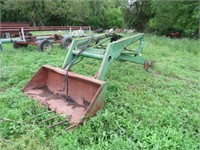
(44, 45)
(65, 42)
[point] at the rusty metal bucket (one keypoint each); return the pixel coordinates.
(86, 94)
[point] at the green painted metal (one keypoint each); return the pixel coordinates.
(74, 45)
(113, 51)
(89, 54)
(116, 50)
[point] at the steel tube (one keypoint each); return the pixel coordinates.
(19, 39)
(88, 54)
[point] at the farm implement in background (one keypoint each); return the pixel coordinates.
(75, 96)
(10, 29)
(43, 43)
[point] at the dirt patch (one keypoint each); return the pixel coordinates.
(49, 95)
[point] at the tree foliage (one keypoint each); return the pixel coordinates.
(153, 16)
(97, 13)
(182, 16)
(137, 14)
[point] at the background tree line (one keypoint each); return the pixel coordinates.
(155, 16)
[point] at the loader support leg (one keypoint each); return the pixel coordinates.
(104, 67)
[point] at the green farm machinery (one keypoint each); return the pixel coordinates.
(76, 96)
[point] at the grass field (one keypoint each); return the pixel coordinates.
(158, 109)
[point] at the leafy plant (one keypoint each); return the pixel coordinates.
(158, 109)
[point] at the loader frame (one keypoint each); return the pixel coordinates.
(116, 50)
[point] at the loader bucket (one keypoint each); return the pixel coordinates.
(86, 94)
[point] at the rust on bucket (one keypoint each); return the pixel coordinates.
(85, 95)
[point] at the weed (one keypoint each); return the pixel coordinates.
(158, 109)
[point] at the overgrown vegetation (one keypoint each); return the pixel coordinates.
(160, 17)
(158, 109)
(182, 16)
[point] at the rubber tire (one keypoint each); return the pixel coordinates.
(43, 44)
(16, 45)
(65, 42)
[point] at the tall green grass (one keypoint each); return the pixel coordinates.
(158, 109)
